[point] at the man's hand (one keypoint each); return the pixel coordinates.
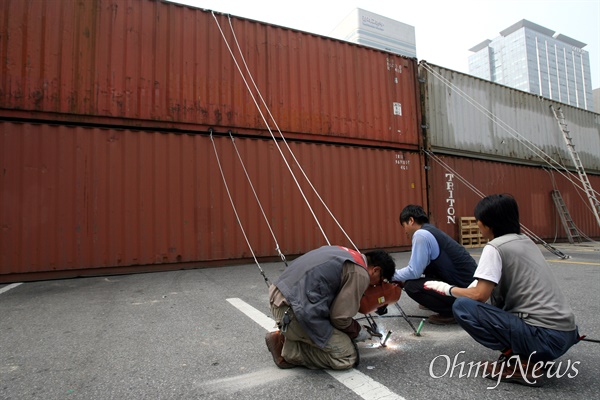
(363, 335)
(440, 287)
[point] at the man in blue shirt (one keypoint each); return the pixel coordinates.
(435, 257)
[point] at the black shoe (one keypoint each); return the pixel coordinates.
(438, 319)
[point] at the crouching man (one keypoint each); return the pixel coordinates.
(529, 319)
(314, 301)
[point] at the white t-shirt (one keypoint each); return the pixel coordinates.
(490, 265)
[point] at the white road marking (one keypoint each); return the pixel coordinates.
(363, 385)
(353, 379)
(7, 288)
(254, 314)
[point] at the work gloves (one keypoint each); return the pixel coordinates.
(440, 287)
(363, 335)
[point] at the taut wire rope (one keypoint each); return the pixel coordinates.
(580, 197)
(269, 129)
(285, 141)
(279, 132)
(473, 188)
(235, 211)
(511, 131)
(258, 200)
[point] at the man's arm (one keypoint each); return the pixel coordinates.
(355, 280)
(487, 276)
(480, 292)
(424, 249)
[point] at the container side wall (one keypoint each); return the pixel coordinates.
(477, 118)
(450, 198)
(74, 198)
(156, 64)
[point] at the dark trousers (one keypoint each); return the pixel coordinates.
(432, 300)
(500, 330)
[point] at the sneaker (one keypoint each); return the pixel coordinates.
(512, 370)
(438, 319)
(275, 342)
(422, 307)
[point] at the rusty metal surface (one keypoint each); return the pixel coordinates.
(450, 199)
(74, 198)
(129, 61)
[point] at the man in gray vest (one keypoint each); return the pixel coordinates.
(529, 319)
(314, 301)
(435, 256)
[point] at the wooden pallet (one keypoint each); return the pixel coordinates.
(469, 234)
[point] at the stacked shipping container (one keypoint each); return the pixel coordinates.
(107, 158)
(106, 109)
(500, 140)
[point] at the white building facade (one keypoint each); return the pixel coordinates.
(535, 59)
(374, 30)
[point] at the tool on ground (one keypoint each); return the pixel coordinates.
(418, 332)
(386, 338)
(372, 328)
(407, 320)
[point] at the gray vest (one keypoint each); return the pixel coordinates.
(310, 284)
(527, 287)
(454, 265)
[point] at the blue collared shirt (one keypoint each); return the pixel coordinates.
(424, 249)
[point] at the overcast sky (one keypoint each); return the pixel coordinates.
(445, 29)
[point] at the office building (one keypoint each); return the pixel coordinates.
(370, 29)
(535, 59)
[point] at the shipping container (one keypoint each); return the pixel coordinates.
(79, 200)
(473, 117)
(454, 184)
(157, 64)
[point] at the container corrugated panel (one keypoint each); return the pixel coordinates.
(474, 117)
(74, 198)
(450, 198)
(133, 60)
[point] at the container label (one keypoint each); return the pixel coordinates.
(450, 211)
(398, 109)
(391, 65)
(404, 164)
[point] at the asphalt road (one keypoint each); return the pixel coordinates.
(199, 334)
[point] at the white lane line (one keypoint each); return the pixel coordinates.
(363, 385)
(353, 379)
(254, 314)
(7, 288)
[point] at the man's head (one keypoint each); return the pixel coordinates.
(412, 218)
(380, 265)
(499, 213)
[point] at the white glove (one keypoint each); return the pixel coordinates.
(363, 335)
(440, 287)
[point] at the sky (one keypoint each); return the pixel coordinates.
(445, 29)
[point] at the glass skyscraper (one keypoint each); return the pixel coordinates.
(535, 59)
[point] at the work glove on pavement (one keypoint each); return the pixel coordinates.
(440, 287)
